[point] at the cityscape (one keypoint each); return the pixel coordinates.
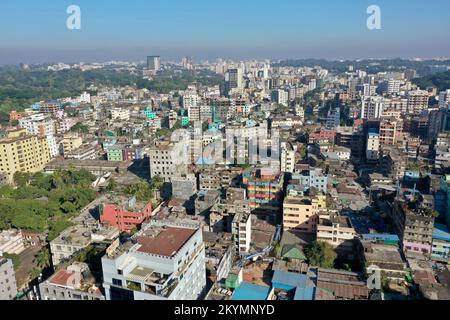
(215, 178)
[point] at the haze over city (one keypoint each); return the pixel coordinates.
(35, 31)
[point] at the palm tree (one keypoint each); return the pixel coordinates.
(42, 259)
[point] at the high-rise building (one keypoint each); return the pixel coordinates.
(372, 108)
(444, 99)
(373, 147)
(23, 152)
(417, 101)
(43, 126)
(164, 261)
(154, 63)
(234, 79)
(169, 159)
(389, 131)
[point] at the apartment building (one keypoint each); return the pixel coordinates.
(120, 114)
(338, 231)
(372, 108)
(11, 241)
(313, 178)
(169, 159)
(373, 147)
(265, 190)
(302, 213)
(23, 152)
(70, 143)
(125, 214)
(8, 285)
(241, 227)
(42, 126)
(75, 283)
(288, 157)
(164, 261)
(85, 152)
(184, 188)
(417, 101)
(390, 129)
(414, 224)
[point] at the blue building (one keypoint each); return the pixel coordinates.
(441, 243)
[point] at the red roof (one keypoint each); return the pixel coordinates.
(62, 278)
(167, 243)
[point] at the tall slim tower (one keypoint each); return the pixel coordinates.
(154, 63)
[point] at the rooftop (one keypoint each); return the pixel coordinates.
(166, 243)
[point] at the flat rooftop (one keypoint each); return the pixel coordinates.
(166, 243)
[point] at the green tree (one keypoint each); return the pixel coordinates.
(43, 258)
(321, 254)
(21, 178)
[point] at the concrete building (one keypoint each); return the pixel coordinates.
(125, 215)
(313, 178)
(8, 285)
(74, 283)
(414, 224)
(169, 159)
(390, 129)
(373, 147)
(120, 114)
(184, 188)
(288, 157)
(265, 190)
(302, 213)
(417, 101)
(70, 143)
(372, 108)
(154, 63)
(42, 126)
(242, 229)
(85, 152)
(22, 152)
(337, 231)
(11, 242)
(164, 261)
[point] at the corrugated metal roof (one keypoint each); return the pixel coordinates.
(248, 291)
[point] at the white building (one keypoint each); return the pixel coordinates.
(11, 242)
(120, 114)
(42, 126)
(8, 285)
(164, 261)
(242, 228)
(288, 157)
(372, 108)
(373, 147)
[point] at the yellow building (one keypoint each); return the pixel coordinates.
(21, 152)
(302, 213)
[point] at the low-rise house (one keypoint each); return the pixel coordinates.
(11, 242)
(74, 283)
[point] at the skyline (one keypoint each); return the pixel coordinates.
(204, 30)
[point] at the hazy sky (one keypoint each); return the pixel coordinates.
(34, 31)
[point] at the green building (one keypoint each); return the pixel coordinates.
(151, 115)
(184, 121)
(115, 154)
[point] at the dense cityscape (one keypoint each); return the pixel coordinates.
(207, 159)
(225, 180)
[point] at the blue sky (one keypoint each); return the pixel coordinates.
(35, 30)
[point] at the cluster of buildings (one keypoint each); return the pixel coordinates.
(254, 175)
